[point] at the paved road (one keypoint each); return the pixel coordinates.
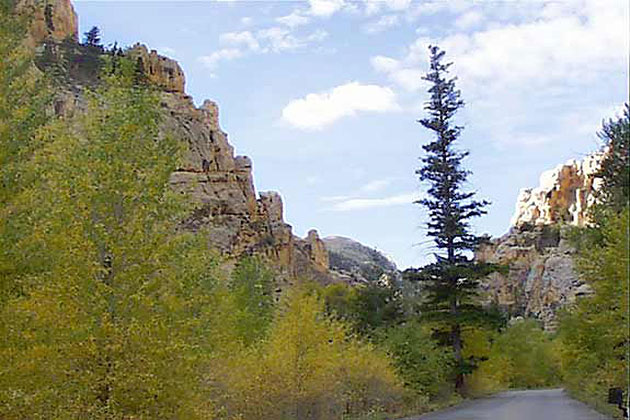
(547, 404)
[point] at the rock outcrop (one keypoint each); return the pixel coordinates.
(162, 71)
(355, 263)
(236, 220)
(541, 277)
(51, 20)
(226, 209)
(564, 195)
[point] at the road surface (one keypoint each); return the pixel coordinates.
(547, 404)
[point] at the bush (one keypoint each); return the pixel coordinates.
(425, 367)
(309, 367)
(523, 356)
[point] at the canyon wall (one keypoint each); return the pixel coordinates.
(542, 277)
(236, 220)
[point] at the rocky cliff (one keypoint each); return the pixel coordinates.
(541, 276)
(236, 220)
(564, 195)
(54, 19)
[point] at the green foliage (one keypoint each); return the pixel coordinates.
(368, 307)
(115, 323)
(340, 301)
(522, 356)
(592, 333)
(252, 289)
(24, 111)
(423, 365)
(92, 38)
(377, 306)
(615, 168)
(309, 367)
(451, 283)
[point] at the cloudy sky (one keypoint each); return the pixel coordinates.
(324, 95)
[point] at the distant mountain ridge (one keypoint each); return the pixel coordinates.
(356, 263)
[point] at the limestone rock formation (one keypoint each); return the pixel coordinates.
(160, 70)
(225, 206)
(564, 195)
(236, 220)
(541, 277)
(53, 19)
(355, 263)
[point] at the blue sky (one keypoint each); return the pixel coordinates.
(324, 95)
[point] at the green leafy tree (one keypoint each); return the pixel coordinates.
(451, 283)
(368, 308)
(118, 326)
(594, 333)
(521, 356)
(423, 365)
(24, 110)
(615, 168)
(252, 289)
(309, 367)
(377, 306)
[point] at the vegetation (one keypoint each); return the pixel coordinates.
(593, 333)
(451, 283)
(614, 173)
(522, 356)
(109, 311)
(92, 38)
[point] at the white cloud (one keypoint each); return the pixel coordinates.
(274, 39)
(317, 110)
(245, 38)
(375, 6)
(334, 198)
(382, 24)
(294, 19)
(278, 39)
(313, 180)
(409, 79)
(384, 64)
(211, 61)
(568, 44)
(469, 20)
(369, 203)
(246, 21)
(325, 8)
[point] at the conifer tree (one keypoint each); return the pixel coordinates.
(93, 37)
(451, 282)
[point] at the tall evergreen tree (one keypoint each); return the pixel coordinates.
(451, 282)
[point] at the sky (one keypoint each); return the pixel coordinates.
(324, 96)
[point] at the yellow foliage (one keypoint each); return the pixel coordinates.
(309, 367)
